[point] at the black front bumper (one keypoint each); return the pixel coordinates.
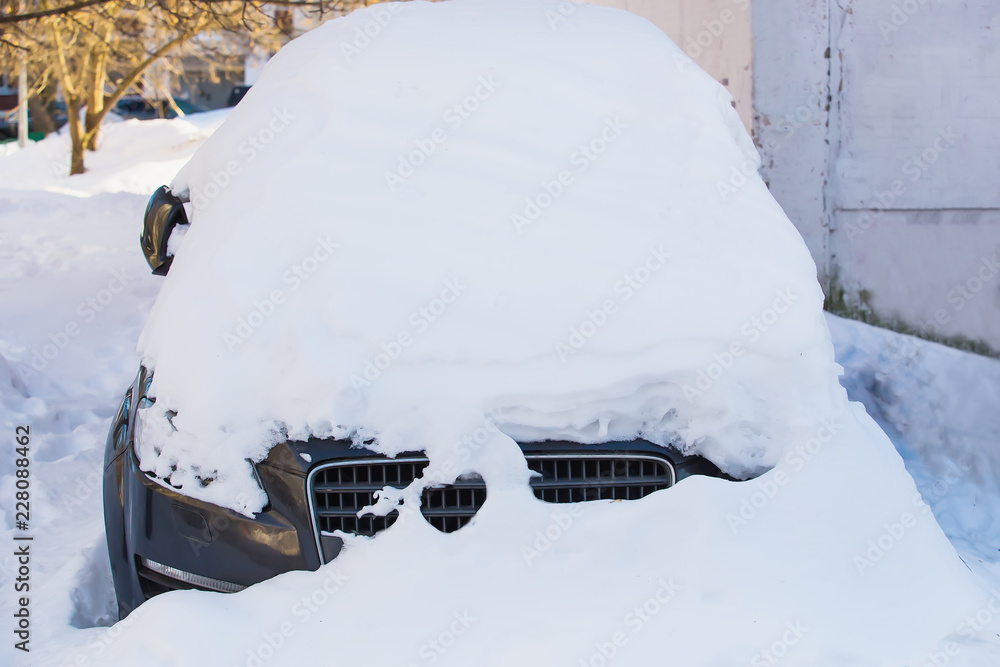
(158, 538)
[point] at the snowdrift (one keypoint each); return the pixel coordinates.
(131, 154)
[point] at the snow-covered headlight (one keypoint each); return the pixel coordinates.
(144, 402)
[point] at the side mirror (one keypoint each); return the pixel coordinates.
(163, 213)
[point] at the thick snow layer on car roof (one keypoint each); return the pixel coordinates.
(392, 241)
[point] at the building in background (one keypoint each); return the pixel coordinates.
(878, 123)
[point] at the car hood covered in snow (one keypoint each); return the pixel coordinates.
(388, 242)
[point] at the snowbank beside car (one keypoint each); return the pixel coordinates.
(940, 408)
(131, 154)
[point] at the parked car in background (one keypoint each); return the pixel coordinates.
(236, 95)
(36, 129)
(8, 124)
(140, 108)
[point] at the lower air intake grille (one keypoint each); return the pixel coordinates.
(339, 490)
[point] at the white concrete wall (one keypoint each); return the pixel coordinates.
(895, 187)
(791, 101)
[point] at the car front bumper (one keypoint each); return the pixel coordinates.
(160, 540)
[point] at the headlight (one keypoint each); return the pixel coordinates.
(144, 401)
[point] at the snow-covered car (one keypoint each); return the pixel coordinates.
(445, 258)
(161, 539)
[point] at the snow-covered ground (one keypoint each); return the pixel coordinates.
(73, 259)
(941, 409)
(58, 250)
(74, 296)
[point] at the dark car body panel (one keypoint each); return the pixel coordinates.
(145, 518)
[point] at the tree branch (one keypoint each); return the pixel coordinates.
(7, 19)
(123, 85)
(55, 11)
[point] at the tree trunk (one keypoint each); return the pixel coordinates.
(76, 136)
(94, 81)
(40, 116)
(76, 162)
(92, 123)
(73, 103)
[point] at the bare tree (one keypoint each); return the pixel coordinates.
(97, 51)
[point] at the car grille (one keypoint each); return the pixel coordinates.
(569, 479)
(450, 507)
(339, 490)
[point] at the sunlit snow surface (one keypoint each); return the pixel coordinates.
(785, 569)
